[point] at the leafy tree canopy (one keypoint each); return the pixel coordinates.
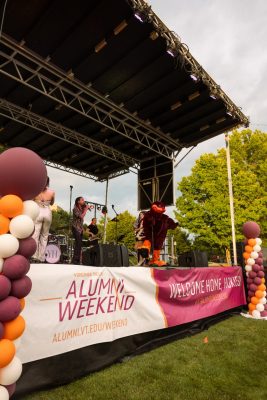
(203, 207)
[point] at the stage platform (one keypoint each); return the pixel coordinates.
(80, 319)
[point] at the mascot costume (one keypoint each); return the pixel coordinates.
(156, 225)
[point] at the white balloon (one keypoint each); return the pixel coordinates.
(247, 274)
(21, 226)
(248, 268)
(258, 241)
(9, 245)
(4, 395)
(250, 261)
(257, 248)
(264, 293)
(17, 343)
(256, 314)
(11, 373)
(260, 307)
(254, 255)
(1, 264)
(31, 209)
(263, 300)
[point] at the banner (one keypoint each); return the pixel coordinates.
(71, 307)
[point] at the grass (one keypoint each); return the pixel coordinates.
(231, 366)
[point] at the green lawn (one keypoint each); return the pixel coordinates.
(232, 365)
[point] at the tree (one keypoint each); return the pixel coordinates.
(181, 240)
(125, 231)
(60, 222)
(203, 207)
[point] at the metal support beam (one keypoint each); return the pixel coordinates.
(31, 70)
(63, 133)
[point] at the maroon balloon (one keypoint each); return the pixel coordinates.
(253, 287)
(251, 293)
(260, 274)
(5, 287)
(264, 313)
(259, 261)
(21, 287)
(260, 254)
(251, 229)
(256, 267)
(1, 330)
(16, 266)
(249, 280)
(9, 308)
(22, 172)
(252, 274)
(11, 389)
(248, 299)
(27, 247)
(257, 280)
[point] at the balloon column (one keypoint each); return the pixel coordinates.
(254, 270)
(22, 177)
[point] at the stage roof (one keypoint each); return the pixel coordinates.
(95, 87)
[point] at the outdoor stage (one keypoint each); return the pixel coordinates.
(80, 319)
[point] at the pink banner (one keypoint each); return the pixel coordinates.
(186, 295)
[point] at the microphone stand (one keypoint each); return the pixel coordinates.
(69, 241)
(116, 226)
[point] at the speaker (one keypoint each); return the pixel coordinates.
(106, 255)
(192, 259)
(240, 248)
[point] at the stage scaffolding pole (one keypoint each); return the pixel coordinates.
(106, 215)
(231, 197)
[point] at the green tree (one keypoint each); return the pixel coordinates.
(125, 231)
(203, 206)
(60, 222)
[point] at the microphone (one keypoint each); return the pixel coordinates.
(112, 206)
(71, 187)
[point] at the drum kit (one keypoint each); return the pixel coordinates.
(56, 249)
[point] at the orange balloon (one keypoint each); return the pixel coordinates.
(263, 280)
(7, 352)
(246, 255)
(254, 300)
(14, 329)
(262, 287)
(22, 303)
(251, 307)
(252, 242)
(248, 249)
(4, 224)
(11, 205)
(259, 294)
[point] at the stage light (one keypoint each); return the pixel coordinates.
(100, 45)
(176, 105)
(212, 96)
(172, 51)
(153, 35)
(119, 28)
(140, 16)
(203, 128)
(194, 77)
(219, 120)
(193, 96)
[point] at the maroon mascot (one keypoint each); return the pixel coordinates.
(156, 225)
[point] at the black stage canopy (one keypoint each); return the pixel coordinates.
(96, 87)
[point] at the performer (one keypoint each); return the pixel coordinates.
(139, 236)
(43, 222)
(93, 232)
(156, 225)
(79, 211)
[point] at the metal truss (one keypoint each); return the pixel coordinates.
(19, 63)
(26, 117)
(75, 171)
(183, 55)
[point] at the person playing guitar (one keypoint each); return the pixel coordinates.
(93, 233)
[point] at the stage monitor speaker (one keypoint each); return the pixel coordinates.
(155, 182)
(192, 259)
(106, 255)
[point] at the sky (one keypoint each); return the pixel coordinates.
(228, 38)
